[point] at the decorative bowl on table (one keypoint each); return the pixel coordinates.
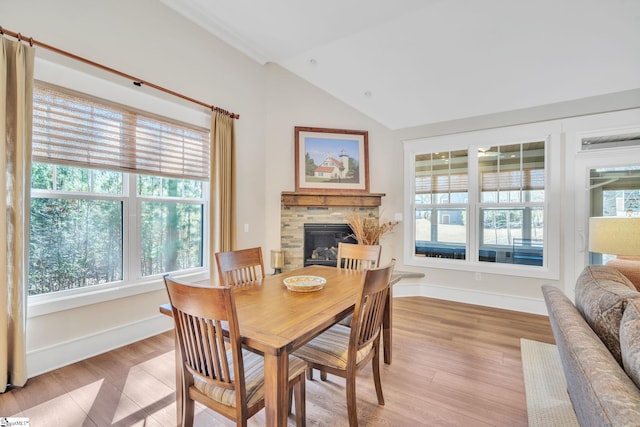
(304, 283)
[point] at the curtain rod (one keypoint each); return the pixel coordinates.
(136, 81)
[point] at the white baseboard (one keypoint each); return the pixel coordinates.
(46, 359)
(407, 288)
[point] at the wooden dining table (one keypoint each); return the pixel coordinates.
(275, 321)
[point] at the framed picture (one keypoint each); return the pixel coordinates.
(330, 160)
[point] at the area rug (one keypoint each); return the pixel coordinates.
(548, 403)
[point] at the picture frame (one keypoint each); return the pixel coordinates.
(331, 160)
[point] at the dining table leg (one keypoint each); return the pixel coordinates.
(276, 395)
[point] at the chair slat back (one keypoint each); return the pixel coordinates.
(199, 313)
(369, 310)
(240, 267)
(358, 257)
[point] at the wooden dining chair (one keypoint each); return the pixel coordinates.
(241, 267)
(344, 351)
(358, 257)
(353, 257)
(216, 371)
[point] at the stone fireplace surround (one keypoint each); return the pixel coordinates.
(330, 208)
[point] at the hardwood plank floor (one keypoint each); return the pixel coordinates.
(453, 365)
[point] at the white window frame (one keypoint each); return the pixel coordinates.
(550, 132)
(134, 97)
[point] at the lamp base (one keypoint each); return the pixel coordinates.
(629, 266)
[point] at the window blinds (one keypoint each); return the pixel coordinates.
(444, 172)
(77, 130)
(531, 179)
(630, 139)
(512, 167)
(442, 184)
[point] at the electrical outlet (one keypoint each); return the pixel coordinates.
(397, 217)
(478, 276)
(246, 228)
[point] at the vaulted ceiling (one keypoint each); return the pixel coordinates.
(406, 63)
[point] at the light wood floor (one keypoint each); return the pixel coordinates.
(453, 365)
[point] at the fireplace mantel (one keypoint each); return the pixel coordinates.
(290, 198)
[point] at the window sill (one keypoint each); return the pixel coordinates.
(517, 270)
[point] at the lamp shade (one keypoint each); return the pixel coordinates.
(614, 235)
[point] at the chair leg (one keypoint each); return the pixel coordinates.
(351, 401)
(310, 373)
(290, 399)
(188, 411)
(323, 375)
(376, 374)
(300, 396)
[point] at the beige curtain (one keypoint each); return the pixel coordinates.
(16, 101)
(222, 234)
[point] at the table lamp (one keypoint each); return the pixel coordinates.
(618, 236)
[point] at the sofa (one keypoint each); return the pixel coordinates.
(598, 339)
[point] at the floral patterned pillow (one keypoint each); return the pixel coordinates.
(630, 340)
(601, 297)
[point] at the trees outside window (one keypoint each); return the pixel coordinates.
(78, 223)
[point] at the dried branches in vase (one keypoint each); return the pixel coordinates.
(367, 229)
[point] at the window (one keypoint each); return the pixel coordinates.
(171, 223)
(480, 201)
(442, 206)
(512, 195)
(117, 195)
(76, 225)
(614, 191)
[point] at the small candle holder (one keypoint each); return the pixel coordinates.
(277, 260)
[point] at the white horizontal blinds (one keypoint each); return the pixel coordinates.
(515, 167)
(444, 172)
(613, 179)
(630, 139)
(75, 129)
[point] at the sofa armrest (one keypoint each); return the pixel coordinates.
(601, 392)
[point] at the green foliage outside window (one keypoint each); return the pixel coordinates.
(171, 237)
(77, 222)
(74, 243)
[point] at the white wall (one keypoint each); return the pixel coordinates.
(147, 40)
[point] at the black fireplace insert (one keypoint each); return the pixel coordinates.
(321, 242)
